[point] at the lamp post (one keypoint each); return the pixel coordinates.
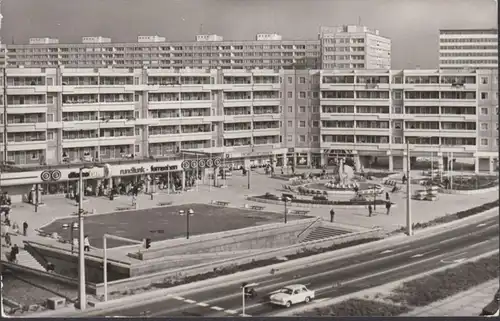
(72, 227)
(82, 297)
(409, 224)
(244, 286)
(190, 212)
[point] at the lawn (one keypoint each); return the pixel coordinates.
(164, 223)
(357, 308)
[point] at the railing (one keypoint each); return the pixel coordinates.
(309, 226)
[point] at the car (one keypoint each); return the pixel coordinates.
(292, 294)
(492, 308)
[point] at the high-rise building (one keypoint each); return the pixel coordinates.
(468, 48)
(354, 47)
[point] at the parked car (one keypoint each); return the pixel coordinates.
(492, 308)
(292, 294)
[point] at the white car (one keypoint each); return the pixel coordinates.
(292, 294)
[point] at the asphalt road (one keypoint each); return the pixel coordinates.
(332, 279)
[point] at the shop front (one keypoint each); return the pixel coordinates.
(333, 157)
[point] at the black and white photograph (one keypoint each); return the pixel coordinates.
(249, 158)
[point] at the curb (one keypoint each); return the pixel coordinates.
(310, 205)
(391, 285)
(159, 295)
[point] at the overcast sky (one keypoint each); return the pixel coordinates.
(413, 25)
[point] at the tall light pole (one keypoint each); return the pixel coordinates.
(189, 213)
(286, 200)
(243, 295)
(409, 227)
(82, 296)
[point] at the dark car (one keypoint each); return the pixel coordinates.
(492, 307)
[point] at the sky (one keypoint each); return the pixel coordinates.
(413, 25)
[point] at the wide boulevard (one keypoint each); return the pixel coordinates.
(330, 279)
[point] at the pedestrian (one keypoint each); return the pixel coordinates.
(86, 244)
(8, 239)
(25, 228)
(13, 253)
(388, 207)
(370, 210)
(387, 196)
(332, 215)
(404, 179)
(134, 200)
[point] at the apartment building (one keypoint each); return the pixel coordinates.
(468, 48)
(440, 113)
(268, 51)
(305, 117)
(354, 47)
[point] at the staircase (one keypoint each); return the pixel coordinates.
(25, 259)
(321, 232)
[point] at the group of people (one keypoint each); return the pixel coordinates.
(7, 226)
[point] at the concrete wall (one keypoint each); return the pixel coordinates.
(66, 263)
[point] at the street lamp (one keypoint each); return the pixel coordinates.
(190, 213)
(74, 226)
(82, 297)
(286, 200)
(244, 286)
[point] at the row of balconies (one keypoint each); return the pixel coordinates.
(406, 132)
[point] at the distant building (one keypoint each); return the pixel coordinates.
(268, 36)
(43, 41)
(96, 40)
(209, 38)
(468, 48)
(142, 39)
(354, 47)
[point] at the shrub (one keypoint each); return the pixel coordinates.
(357, 307)
(320, 198)
(440, 285)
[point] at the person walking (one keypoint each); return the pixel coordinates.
(8, 240)
(25, 228)
(388, 207)
(13, 253)
(370, 210)
(86, 244)
(332, 215)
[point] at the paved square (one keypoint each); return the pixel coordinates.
(163, 223)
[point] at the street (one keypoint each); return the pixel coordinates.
(330, 279)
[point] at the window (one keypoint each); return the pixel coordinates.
(137, 131)
(484, 80)
(315, 109)
(397, 140)
(50, 117)
(484, 141)
(397, 125)
(289, 94)
(302, 109)
(289, 138)
(315, 138)
(290, 123)
(302, 80)
(484, 111)
(137, 148)
(484, 126)
(34, 155)
(484, 96)
(290, 109)
(290, 80)
(315, 94)
(397, 94)
(315, 123)
(302, 124)
(302, 95)
(302, 138)
(137, 115)
(50, 135)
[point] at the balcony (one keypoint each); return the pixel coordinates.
(117, 106)
(268, 131)
(13, 146)
(81, 106)
(337, 130)
(26, 127)
(165, 104)
(235, 134)
(26, 90)
(27, 109)
(266, 100)
(372, 131)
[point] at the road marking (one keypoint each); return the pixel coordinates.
(386, 251)
(452, 261)
(321, 300)
(202, 304)
(422, 254)
(482, 224)
(190, 301)
(179, 298)
(231, 311)
(216, 308)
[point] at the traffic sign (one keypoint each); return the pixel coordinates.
(210, 163)
(217, 162)
(194, 164)
(201, 163)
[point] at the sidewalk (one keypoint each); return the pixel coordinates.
(468, 303)
(236, 192)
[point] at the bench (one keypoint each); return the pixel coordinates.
(300, 212)
(164, 203)
(257, 207)
(220, 203)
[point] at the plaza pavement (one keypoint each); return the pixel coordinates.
(236, 191)
(467, 303)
